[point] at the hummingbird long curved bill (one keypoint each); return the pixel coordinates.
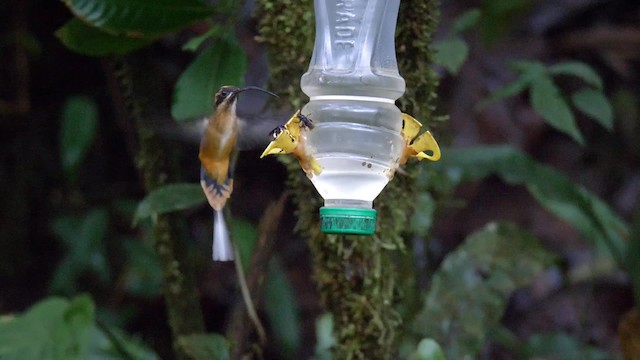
(217, 155)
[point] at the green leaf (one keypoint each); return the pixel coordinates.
(546, 99)
(143, 271)
(194, 43)
(90, 41)
(595, 104)
(140, 18)
(169, 198)
(506, 91)
(555, 191)
(245, 235)
(205, 346)
(282, 310)
(428, 349)
(113, 344)
(79, 125)
(561, 346)
(83, 237)
(470, 290)
(499, 17)
(224, 63)
(529, 71)
(54, 328)
(467, 20)
(451, 53)
(578, 69)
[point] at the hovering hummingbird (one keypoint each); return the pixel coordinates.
(217, 155)
(291, 138)
(416, 147)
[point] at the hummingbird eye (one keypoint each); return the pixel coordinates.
(221, 96)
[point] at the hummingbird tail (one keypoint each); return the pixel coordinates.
(222, 248)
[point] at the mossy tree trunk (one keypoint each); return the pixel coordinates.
(356, 276)
(133, 89)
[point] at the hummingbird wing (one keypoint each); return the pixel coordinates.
(255, 130)
(253, 133)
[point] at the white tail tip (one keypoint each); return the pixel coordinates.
(222, 249)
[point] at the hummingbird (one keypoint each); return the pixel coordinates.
(291, 138)
(218, 151)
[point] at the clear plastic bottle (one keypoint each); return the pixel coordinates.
(352, 83)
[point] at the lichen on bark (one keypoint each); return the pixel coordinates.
(356, 276)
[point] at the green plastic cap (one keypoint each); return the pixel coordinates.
(351, 221)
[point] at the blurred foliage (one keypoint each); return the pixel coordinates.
(223, 63)
(169, 198)
(470, 290)
(555, 191)
(453, 51)
(561, 346)
(138, 19)
(87, 40)
(632, 260)
(205, 346)
(456, 314)
(281, 308)
(79, 127)
(500, 16)
(547, 100)
(61, 329)
(84, 238)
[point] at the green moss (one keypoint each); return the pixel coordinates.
(355, 275)
(158, 165)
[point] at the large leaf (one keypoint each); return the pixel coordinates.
(169, 198)
(224, 63)
(52, 329)
(578, 69)
(79, 125)
(555, 191)
(83, 237)
(595, 104)
(451, 53)
(546, 99)
(59, 329)
(114, 344)
(141, 18)
(282, 310)
(470, 290)
(205, 346)
(90, 41)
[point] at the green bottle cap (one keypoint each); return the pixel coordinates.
(348, 221)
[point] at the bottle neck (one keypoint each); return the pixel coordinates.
(347, 203)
